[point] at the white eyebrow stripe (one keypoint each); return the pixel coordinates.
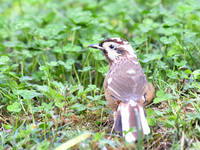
(113, 91)
(129, 49)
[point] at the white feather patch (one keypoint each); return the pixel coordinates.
(130, 56)
(133, 103)
(109, 80)
(118, 39)
(125, 42)
(124, 109)
(125, 119)
(111, 72)
(135, 62)
(129, 137)
(113, 55)
(113, 90)
(130, 71)
(144, 123)
(143, 99)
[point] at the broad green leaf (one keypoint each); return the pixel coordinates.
(4, 59)
(196, 22)
(172, 52)
(67, 47)
(150, 112)
(21, 24)
(59, 85)
(172, 74)
(99, 56)
(175, 106)
(181, 64)
(145, 12)
(184, 8)
(189, 33)
(103, 70)
(169, 40)
(26, 78)
(49, 17)
(145, 28)
(79, 107)
(78, 16)
(48, 43)
(196, 74)
(98, 136)
(75, 49)
(22, 86)
(161, 96)
(44, 88)
(44, 67)
(85, 69)
(102, 102)
(97, 37)
(52, 63)
(15, 107)
(13, 85)
(43, 125)
(70, 62)
(96, 97)
(139, 40)
(151, 57)
(26, 94)
(188, 71)
(169, 123)
(53, 94)
(95, 107)
(59, 104)
(27, 53)
(76, 28)
(57, 49)
(151, 121)
(7, 126)
(48, 106)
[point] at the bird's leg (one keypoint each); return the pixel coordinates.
(111, 130)
(114, 117)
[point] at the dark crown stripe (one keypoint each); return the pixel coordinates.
(114, 40)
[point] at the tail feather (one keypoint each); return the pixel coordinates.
(129, 119)
(118, 122)
(144, 123)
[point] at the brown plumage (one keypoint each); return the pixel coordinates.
(126, 87)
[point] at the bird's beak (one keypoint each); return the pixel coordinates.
(96, 46)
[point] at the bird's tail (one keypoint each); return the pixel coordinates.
(131, 116)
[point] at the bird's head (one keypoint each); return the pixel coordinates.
(115, 49)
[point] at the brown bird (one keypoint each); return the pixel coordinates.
(126, 87)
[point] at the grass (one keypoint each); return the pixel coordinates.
(51, 82)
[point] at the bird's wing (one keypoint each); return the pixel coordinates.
(127, 82)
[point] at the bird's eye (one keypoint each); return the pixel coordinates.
(111, 46)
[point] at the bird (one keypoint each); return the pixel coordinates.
(126, 88)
